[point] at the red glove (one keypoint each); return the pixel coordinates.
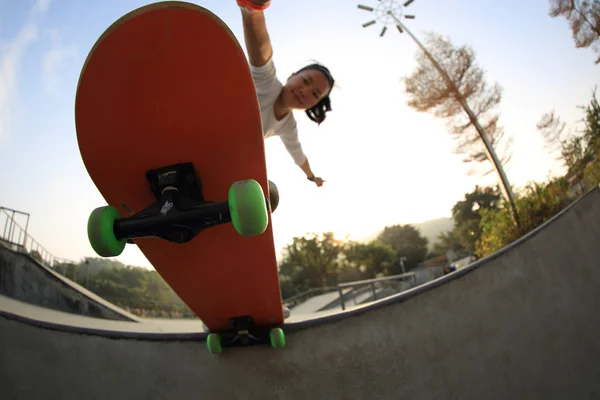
(251, 5)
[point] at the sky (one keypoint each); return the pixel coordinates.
(384, 163)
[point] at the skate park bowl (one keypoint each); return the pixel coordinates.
(522, 323)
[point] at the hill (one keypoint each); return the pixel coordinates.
(429, 229)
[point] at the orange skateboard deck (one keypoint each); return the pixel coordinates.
(168, 86)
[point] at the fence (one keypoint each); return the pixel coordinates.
(377, 288)
(16, 237)
(368, 290)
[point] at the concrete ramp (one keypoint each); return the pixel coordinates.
(24, 278)
(521, 324)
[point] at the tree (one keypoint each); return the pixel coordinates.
(406, 241)
(538, 203)
(577, 151)
(448, 241)
(552, 129)
(591, 135)
(311, 261)
(446, 82)
(467, 215)
(570, 146)
(369, 260)
(591, 132)
(584, 20)
(37, 256)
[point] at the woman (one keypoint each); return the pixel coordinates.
(308, 89)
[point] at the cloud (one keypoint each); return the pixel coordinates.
(10, 61)
(41, 6)
(55, 59)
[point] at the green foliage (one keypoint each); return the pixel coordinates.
(405, 241)
(577, 151)
(36, 256)
(462, 240)
(70, 270)
(320, 260)
(467, 215)
(311, 261)
(536, 204)
(591, 175)
(370, 260)
(539, 202)
(139, 290)
(569, 146)
(448, 241)
(591, 132)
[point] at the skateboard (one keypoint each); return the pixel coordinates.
(169, 129)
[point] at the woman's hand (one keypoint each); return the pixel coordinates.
(317, 180)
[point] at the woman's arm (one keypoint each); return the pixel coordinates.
(310, 175)
(258, 43)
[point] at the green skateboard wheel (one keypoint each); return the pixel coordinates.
(277, 338)
(213, 343)
(101, 233)
(248, 208)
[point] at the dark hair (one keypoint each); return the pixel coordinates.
(318, 111)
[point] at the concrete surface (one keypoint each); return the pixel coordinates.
(521, 324)
(51, 318)
(316, 303)
(142, 328)
(25, 279)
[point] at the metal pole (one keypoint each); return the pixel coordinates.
(491, 154)
(26, 227)
(341, 298)
(11, 228)
(4, 236)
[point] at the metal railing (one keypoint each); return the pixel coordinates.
(372, 289)
(377, 287)
(15, 237)
(304, 296)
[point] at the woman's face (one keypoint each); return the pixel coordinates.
(305, 89)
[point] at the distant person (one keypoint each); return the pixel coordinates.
(449, 269)
(307, 89)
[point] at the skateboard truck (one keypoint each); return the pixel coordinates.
(242, 326)
(179, 213)
(245, 332)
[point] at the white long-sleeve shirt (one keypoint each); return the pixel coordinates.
(268, 88)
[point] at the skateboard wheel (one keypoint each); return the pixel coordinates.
(274, 196)
(277, 338)
(213, 343)
(101, 234)
(248, 208)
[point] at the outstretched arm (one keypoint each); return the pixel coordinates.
(310, 175)
(258, 43)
